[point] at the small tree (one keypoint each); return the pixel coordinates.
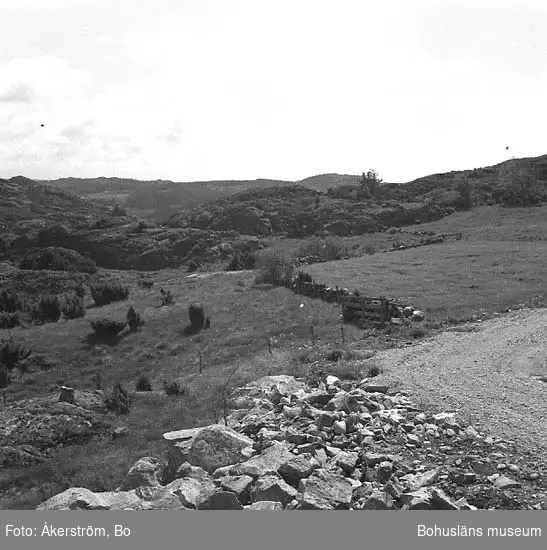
(143, 384)
(48, 310)
(119, 400)
(464, 200)
(370, 183)
(11, 354)
(134, 320)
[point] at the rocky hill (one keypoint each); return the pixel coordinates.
(299, 211)
(26, 204)
(338, 445)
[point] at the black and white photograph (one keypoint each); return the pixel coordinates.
(283, 255)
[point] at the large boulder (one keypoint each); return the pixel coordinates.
(77, 498)
(325, 490)
(217, 446)
(267, 462)
(146, 471)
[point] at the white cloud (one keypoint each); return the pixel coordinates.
(242, 89)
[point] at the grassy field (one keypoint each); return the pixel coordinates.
(450, 282)
(499, 264)
(243, 317)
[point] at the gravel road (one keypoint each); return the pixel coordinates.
(489, 375)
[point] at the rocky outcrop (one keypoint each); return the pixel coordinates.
(30, 430)
(339, 446)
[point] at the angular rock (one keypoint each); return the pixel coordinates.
(240, 485)
(462, 477)
(274, 488)
(146, 471)
(297, 468)
(441, 501)
(188, 490)
(325, 490)
(265, 505)
(379, 500)
(77, 498)
(268, 461)
(217, 446)
(417, 500)
(218, 499)
(347, 461)
(503, 482)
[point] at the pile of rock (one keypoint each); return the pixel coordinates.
(341, 445)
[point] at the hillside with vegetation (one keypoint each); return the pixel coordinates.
(115, 331)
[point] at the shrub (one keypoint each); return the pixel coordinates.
(174, 388)
(145, 284)
(249, 261)
(464, 201)
(197, 316)
(193, 265)
(166, 297)
(134, 320)
(106, 293)
(275, 266)
(9, 320)
(235, 264)
(80, 291)
(370, 249)
(373, 370)
(12, 353)
(143, 384)
(328, 249)
(106, 328)
(118, 211)
(57, 259)
(73, 308)
(119, 400)
(334, 355)
(48, 310)
(10, 302)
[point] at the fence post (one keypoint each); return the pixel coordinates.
(4, 396)
(270, 345)
(342, 332)
(200, 362)
(98, 381)
(312, 335)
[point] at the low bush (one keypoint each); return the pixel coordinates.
(119, 400)
(134, 320)
(9, 320)
(106, 293)
(73, 307)
(145, 284)
(143, 384)
(10, 302)
(57, 259)
(12, 353)
(166, 297)
(275, 266)
(107, 328)
(48, 310)
(174, 388)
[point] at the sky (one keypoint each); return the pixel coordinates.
(191, 90)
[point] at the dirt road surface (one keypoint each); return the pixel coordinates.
(489, 375)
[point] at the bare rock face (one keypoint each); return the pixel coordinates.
(217, 446)
(32, 429)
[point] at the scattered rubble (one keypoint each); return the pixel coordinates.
(338, 446)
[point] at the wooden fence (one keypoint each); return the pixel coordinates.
(356, 310)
